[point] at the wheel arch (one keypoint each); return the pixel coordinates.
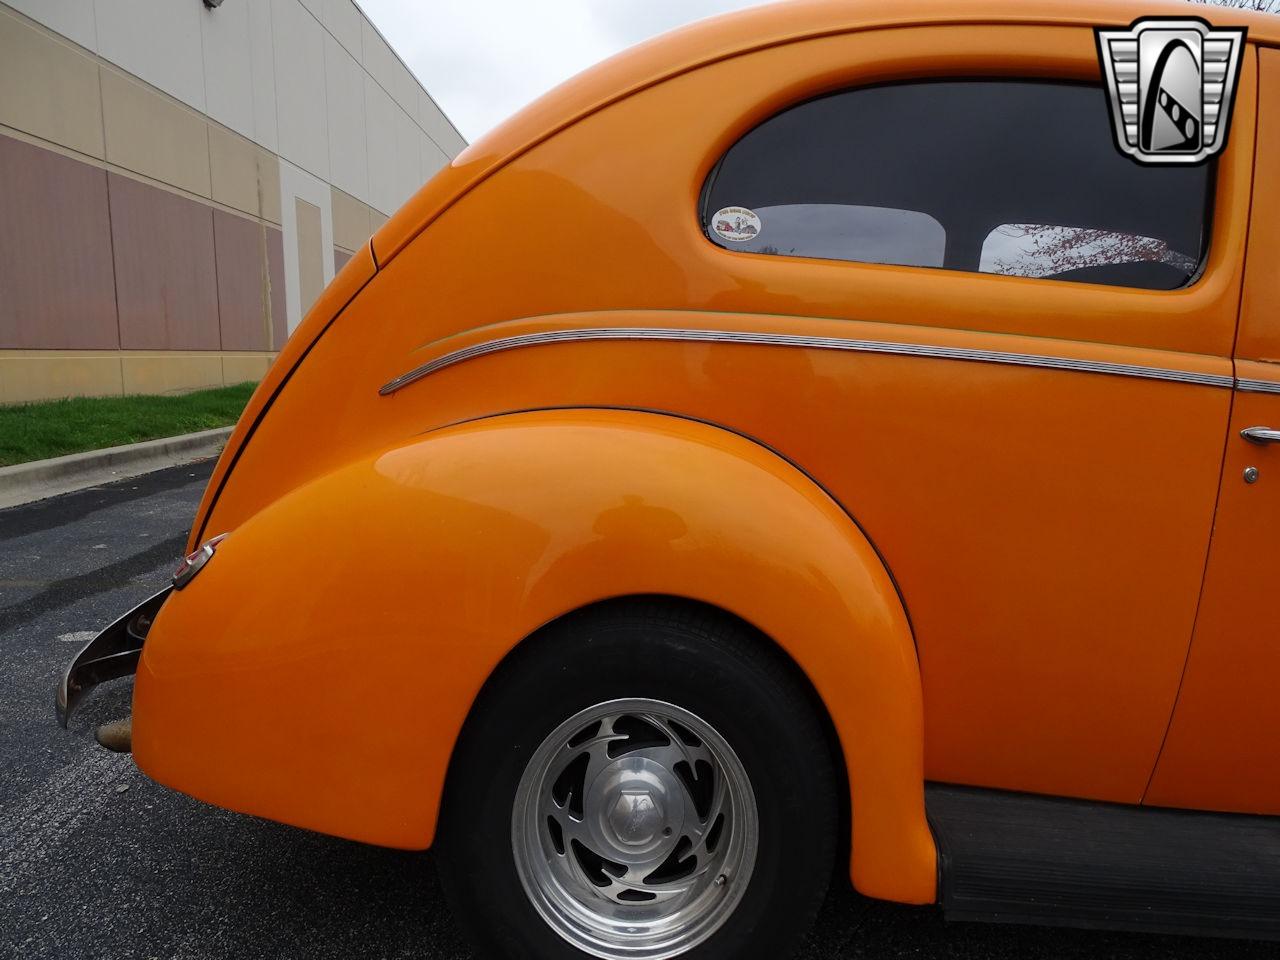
(743, 627)
(517, 520)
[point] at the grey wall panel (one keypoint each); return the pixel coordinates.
(242, 282)
(166, 285)
(56, 286)
(340, 258)
(156, 40)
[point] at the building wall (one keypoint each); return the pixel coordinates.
(177, 184)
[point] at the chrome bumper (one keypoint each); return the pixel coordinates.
(112, 653)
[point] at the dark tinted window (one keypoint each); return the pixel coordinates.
(996, 176)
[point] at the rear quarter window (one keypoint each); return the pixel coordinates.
(1009, 177)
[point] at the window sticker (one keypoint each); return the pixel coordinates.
(736, 224)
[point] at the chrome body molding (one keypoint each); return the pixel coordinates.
(586, 334)
(1258, 386)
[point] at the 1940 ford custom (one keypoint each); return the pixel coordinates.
(806, 439)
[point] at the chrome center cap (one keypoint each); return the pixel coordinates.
(637, 816)
(635, 810)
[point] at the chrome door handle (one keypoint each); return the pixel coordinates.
(1261, 435)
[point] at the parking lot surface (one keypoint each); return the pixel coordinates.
(98, 861)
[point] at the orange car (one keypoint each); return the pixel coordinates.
(807, 437)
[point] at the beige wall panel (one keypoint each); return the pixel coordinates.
(244, 367)
(351, 225)
(150, 134)
(56, 284)
(310, 254)
(340, 258)
(74, 19)
(166, 284)
(376, 220)
(241, 251)
(275, 274)
(170, 372)
(48, 88)
(269, 184)
(233, 169)
(38, 376)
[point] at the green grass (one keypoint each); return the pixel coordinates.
(34, 431)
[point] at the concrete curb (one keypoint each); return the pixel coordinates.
(25, 482)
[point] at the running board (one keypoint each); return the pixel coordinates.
(1018, 858)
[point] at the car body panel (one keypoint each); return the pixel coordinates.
(355, 273)
(410, 575)
(719, 38)
(1225, 734)
(1048, 526)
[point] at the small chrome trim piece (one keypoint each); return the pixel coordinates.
(1258, 386)
(193, 563)
(814, 343)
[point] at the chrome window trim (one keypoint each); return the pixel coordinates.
(1258, 386)
(890, 347)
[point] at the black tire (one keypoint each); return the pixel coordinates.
(680, 653)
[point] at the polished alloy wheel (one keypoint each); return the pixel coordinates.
(634, 830)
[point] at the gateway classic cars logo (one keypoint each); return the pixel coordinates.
(1171, 83)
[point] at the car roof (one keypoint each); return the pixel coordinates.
(732, 34)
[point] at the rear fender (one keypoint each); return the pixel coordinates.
(320, 668)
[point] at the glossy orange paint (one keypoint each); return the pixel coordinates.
(1048, 529)
(355, 273)
(1225, 735)
(468, 539)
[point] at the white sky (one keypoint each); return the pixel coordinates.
(484, 59)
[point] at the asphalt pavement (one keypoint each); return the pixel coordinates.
(98, 861)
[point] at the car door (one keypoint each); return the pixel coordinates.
(1223, 749)
(1047, 521)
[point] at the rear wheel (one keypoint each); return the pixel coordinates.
(643, 780)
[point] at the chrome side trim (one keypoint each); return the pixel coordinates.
(813, 343)
(1258, 386)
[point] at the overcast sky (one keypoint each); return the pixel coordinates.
(483, 60)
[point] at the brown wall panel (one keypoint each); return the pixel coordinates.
(275, 273)
(242, 282)
(166, 285)
(56, 286)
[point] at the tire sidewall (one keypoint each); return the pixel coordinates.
(766, 724)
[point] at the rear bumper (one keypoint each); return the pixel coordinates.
(112, 653)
